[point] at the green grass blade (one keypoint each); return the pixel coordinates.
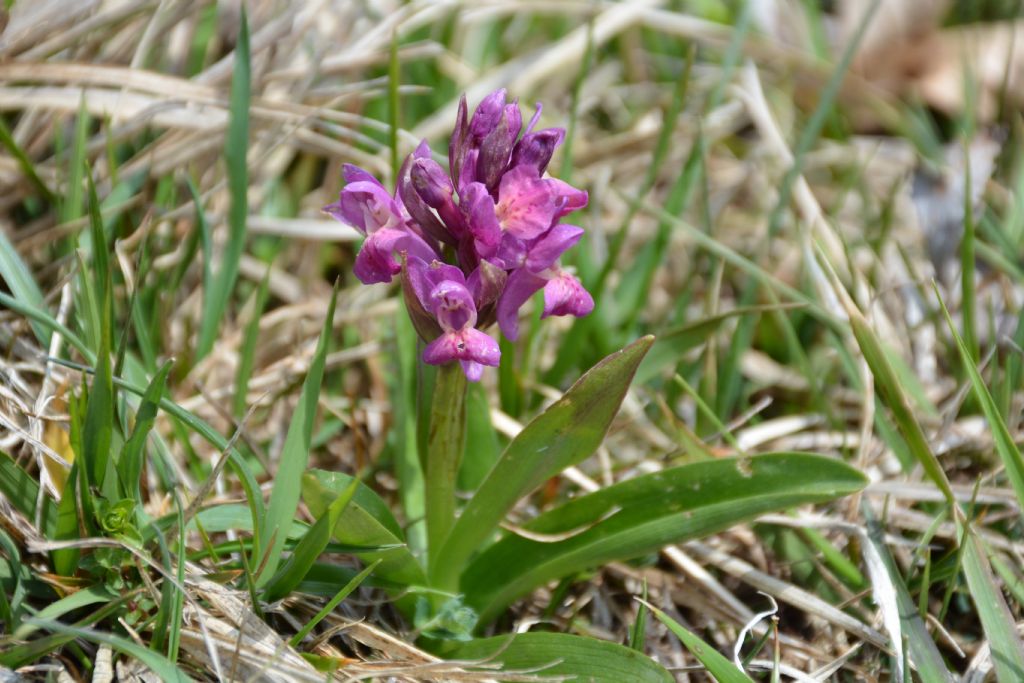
(407, 459)
(345, 591)
(19, 279)
(313, 542)
(394, 83)
(366, 521)
(563, 657)
(923, 653)
(74, 197)
(998, 623)
(247, 353)
(133, 454)
(98, 430)
(18, 487)
(284, 497)
(166, 670)
(91, 595)
(563, 435)
(717, 665)
(24, 163)
(65, 525)
(967, 257)
(215, 299)
(45, 320)
(1006, 447)
(891, 392)
(637, 634)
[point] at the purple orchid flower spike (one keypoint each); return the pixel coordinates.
(474, 242)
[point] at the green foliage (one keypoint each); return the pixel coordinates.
(554, 654)
(718, 666)
(284, 497)
(643, 514)
(236, 147)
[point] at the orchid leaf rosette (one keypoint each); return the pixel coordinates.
(472, 244)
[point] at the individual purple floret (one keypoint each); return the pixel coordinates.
(477, 241)
(366, 206)
(442, 291)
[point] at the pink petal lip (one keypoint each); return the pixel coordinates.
(526, 207)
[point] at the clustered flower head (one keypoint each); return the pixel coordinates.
(473, 244)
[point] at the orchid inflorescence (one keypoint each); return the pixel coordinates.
(474, 244)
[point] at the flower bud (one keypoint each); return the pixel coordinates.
(494, 153)
(418, 209)
(458, 144)
(487, 114)
(535, 149)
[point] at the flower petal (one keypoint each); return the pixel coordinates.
(555, 242)
(353, 174)
(567, 197)
(471, 347)
(452, 304)
(481, 220)
(366, 206)
(480, 348)
(521, 285)
(473, 370)
(486, 283)
(526, 206)
(377, 261)
(565, 295)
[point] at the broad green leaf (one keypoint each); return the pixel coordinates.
(641, 515)
(133, 454)
(482, 445)
(284, 497)
(236, 147)
(561, 654)
(569, 431)
(166, 670)
(717, 665)
(996, 620)
(1006, 447)
(365, 521)
(309, 547)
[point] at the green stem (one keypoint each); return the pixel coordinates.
(445, 444)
